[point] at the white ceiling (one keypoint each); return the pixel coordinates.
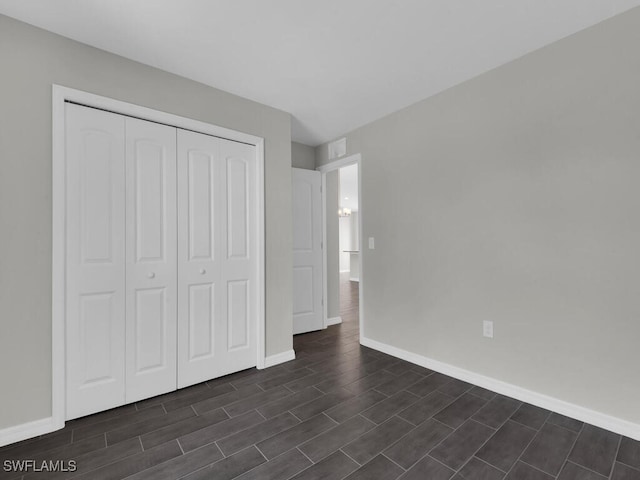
(349, 187)
(333, 64)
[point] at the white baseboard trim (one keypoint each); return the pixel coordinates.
(27, 430)
(608, 422)
(332, 321)
(279, 358)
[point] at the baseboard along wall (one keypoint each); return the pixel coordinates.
(608, 422)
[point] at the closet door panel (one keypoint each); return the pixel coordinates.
(216, 330)
(199, 279)
(151, 259)
(95, 293)
(239, 264)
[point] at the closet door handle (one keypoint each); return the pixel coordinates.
(151, 275)
(202, 271)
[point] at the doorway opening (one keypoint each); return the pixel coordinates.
(348, 247)
(343, 240)
(327, 278)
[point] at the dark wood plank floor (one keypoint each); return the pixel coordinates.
(338, 411)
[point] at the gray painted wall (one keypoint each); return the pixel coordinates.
(333, 243)
(32, 60)
(303, 156)
(514, 198)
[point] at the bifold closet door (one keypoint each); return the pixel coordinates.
(161, 261)
(95, 234)
(151, 270)
(121, 260)
(216, 257)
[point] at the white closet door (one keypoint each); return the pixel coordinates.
(216, 257)
(95, 290)
(151, 259)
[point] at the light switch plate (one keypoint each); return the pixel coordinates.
(371, 243)
(487, 329)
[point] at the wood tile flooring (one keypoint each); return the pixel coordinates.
(338, 411)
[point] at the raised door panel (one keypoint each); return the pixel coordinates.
(201, 173)
(303, 215)
(303, 292)
(95, 264)
(151, 259)
(202, 318)
(150, 167)
(96, 335)
(96, 192)
(237, 207)
(238, 314)
(150, 330)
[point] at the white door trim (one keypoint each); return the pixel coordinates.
(355, 159)
(60, 95)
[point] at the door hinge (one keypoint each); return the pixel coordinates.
(321, 245)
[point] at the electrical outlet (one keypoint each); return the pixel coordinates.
(371, 243)
(487, 329)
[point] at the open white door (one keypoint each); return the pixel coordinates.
(307, 251)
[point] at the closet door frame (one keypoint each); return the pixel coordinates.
(61, 95)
